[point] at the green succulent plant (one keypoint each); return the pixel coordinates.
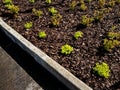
(78, 34)
(98, 15)
(28, 25)
(73, 4)
(106, 10)
(102, 69)
(112, 40)
(86, 21)
(42, 34)
(101, 3)
(111, 3)
(113, 35)
(66, 49)
(52, 10)
(12, 8)
(110, 44)
(37, 13)
(83, 7)
(56, 19)
(113, 28)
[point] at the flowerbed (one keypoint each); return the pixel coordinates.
(53, 25)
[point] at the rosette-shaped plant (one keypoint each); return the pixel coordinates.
(66, 49)
(102, 70)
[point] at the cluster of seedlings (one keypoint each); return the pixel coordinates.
(111, 41)
(37, 13)
(13, 9)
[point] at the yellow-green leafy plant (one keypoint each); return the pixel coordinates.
(101, 3)
(102, 69)
(31, 1)
(48, 1)
(73, 4)
(113, 28)
(114, 35)
(28, 25)
(111, 3)
(106, 10)
(42, 34)
(66, 49)
(98, 15)
(37, 13)
(78, 34)
(82, 1)
(110, 44)
(56, 19)
(86, 21)
(83, 7)
(7, 2)
(112, 40)
(52, 10)
(13, 8)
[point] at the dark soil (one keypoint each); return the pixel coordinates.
(87, 50)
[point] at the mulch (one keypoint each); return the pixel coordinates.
(87, 50)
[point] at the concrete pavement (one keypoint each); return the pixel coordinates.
(19, 71)
(12, 76)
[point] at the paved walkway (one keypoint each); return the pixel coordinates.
(19, 71)
(12, 76)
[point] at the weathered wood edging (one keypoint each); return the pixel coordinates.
(52, 66)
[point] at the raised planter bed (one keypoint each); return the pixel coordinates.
(97, 41)
(61, 73)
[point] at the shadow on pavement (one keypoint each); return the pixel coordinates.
(45, 79)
